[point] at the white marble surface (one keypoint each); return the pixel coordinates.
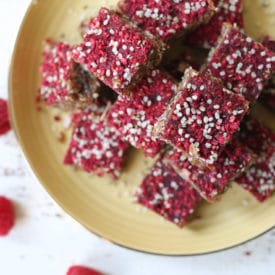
(46, 241)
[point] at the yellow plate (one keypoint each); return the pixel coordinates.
(104, 207)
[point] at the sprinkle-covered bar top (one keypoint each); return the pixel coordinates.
(259, 179)
(214, 181)
(64, 82)
(116, 51)
(95, 147)
(206, 35)
(202, 117)
(242, 64)
(167, 194)
(135, 117)
(167, 19)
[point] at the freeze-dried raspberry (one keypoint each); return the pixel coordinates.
(167, 19)
(116, 51)
(167, 194)
(4, 117)
(82, 270)
(202, 117)
(7, 216)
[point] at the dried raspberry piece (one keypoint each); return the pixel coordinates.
(242, 64)
(4, 117)
(82, 270)
(167, 194)
(206, 35)
(116, 51)
(95, 147)
(65, 83)
(214, 181)
(135, 117)
(7, 216)
(202, 117)
(259, 179)
(167, 19)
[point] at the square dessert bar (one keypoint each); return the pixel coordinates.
(167, 19)
(116, 51)
(259, 179)
(202, 117)
(214, 181)
(242, 64)
(206, 35)
(64, 82)
(268, 95)
(136, 116)
(95, 147)
(167, 194)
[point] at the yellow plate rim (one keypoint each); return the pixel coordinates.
(36, 174)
